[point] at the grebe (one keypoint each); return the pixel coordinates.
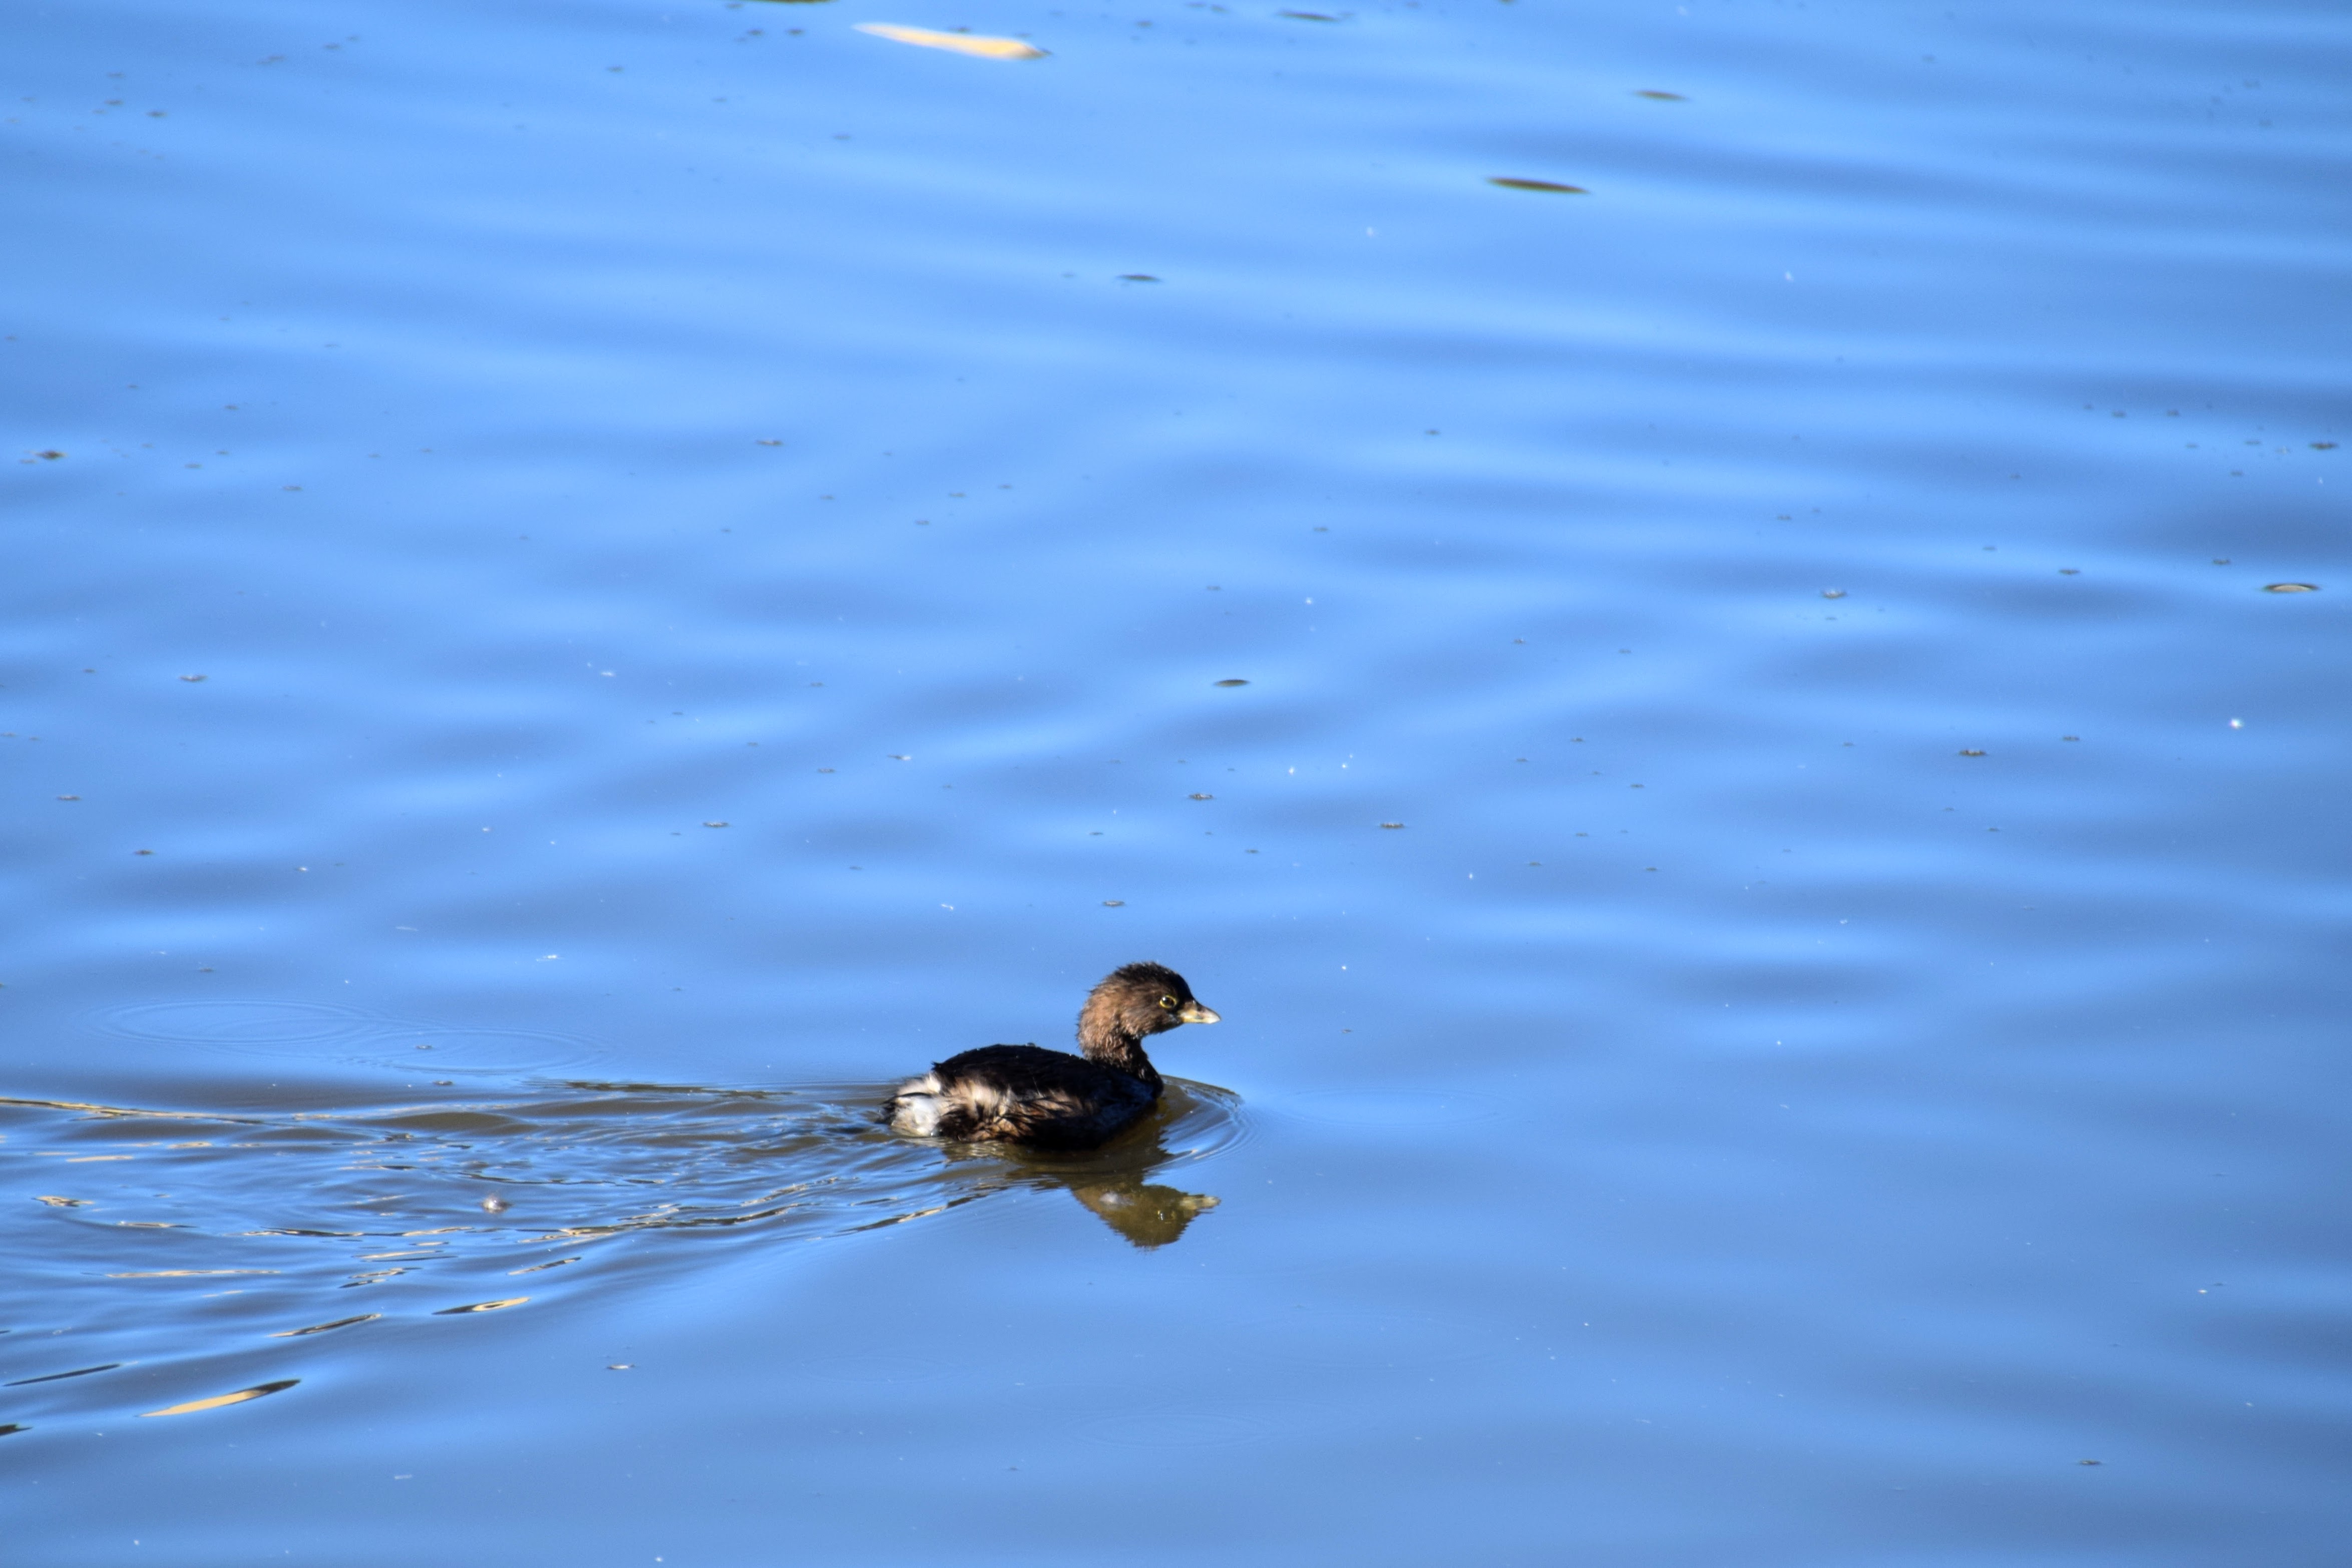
(1025, 1094)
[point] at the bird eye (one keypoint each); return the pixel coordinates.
(1168, 1002)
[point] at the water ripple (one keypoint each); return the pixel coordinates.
(150, 1235)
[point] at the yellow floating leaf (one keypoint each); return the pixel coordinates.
(217, 1400)
(981, 43)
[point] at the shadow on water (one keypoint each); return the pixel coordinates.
(144, 1236)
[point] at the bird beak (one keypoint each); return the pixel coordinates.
(1194, 1012)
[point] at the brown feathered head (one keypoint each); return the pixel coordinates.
(1137, 1000)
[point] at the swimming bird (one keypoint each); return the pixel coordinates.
(1053, 1100)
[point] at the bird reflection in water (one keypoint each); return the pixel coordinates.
(1114, 1181)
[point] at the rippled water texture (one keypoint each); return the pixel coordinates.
(1716, 629)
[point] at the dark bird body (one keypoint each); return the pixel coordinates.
(1053, 1100)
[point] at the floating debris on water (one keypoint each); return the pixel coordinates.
(495, 1204)
(1651, 92)
(1968, 752)
(979, 44)
(1834, 593)
(1137, 277)
(1512, 182)
(2290, 587)
(1234, 682)
(1200, 798)
(716, 824)
(192, 679)
(1391, 825)
(1307, 15)
(482, 1306)
(1114, 903)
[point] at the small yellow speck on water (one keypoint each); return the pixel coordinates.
(980, 44)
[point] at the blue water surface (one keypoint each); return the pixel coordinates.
(1752, 751)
